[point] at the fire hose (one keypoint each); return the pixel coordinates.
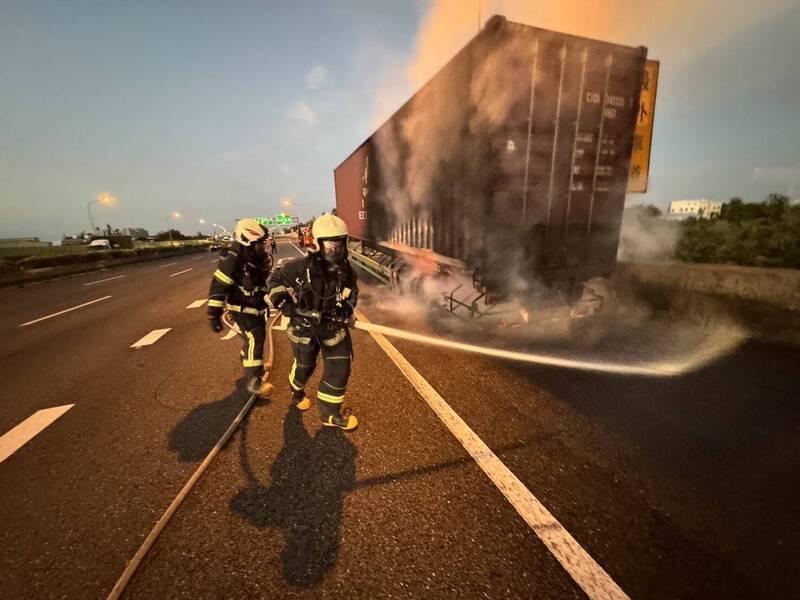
(359, 321)
(133, 565)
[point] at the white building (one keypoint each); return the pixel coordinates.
(700, 209)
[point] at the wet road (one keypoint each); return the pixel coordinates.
(679, 487)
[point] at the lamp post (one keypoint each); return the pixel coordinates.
(214, 229)
(101, 199)
(175, 215)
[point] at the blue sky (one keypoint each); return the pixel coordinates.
(218, 110)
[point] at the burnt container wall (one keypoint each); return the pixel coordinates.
(513, 158)
(572, 188)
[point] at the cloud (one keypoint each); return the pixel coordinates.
(316, 77)
(779, 176)
(774, 173)
(302, 111)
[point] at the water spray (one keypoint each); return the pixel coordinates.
(651, 369)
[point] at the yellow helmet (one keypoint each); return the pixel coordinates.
(327, 227)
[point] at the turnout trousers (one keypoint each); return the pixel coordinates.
(254, 331)
(307, 345)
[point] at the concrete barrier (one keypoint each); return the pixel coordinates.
(21, 277)
(764, 301)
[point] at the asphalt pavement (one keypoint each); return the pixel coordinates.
(678, 487)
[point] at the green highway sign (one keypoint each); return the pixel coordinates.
(282, 219)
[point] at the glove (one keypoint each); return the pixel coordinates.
(287, 308)
(216, 323)
(284, 302)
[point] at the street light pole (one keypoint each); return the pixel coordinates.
(169, 229)
(102, 198)
(89, 210)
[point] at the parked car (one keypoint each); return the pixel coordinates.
(99, 245)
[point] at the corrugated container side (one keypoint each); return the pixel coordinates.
(351, 181)
(513, 158)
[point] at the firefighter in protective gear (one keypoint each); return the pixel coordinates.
(239, 285)
(318, 293)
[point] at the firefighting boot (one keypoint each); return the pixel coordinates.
(333, 417)
(261, 388)
(300, 401)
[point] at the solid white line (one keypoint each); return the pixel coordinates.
(197, 303)
(576, 561)
(102, 280)
(61, 312)
(150, 338)
(167, 265)
(181, 272)
(298, 249)
(28, 429)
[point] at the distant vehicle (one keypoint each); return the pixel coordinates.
(99, 245)
(305, 238)
(215, 247)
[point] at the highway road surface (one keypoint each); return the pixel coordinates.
(468, 477)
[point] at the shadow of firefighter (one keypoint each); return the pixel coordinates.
(304, 498)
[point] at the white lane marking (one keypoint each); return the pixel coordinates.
(198, 257)
(150, 338)
(216, 260)
(168, 265)
(298, 249)
(576, 561)
(182, 272)
(197, 303)
(28, 429)
(61, 312)
(103, 280)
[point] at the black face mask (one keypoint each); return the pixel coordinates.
(258, 249)
(333, 251)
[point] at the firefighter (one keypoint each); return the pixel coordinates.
(318, 293)
(239, 285)
(273, 244)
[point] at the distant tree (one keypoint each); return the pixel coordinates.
(732, 210)
(776, 207)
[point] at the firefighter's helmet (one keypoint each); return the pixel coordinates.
(249, 231)
(327, 227)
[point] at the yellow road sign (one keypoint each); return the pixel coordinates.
(643, 135)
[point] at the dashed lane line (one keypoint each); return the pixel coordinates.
(182, 272)
(583, 569)
(61, 312)
(167, 265)
(151, 338)
(197, 303)
(28, 429)
(104, 280)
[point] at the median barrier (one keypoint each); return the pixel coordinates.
(14, 275)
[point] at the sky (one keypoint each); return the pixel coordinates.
(219, 110)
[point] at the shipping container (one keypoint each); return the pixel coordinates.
(512, 160)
